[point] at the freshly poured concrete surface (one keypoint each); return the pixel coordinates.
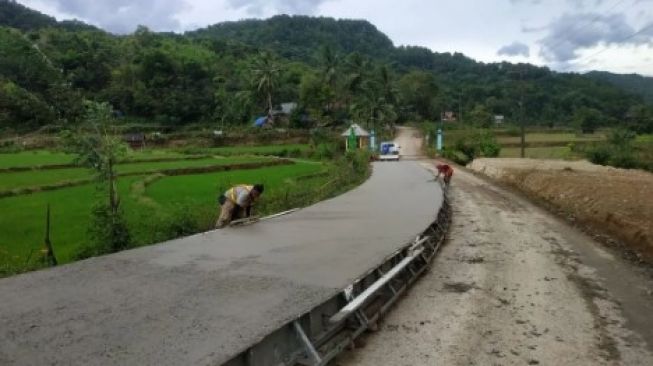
(205, 298)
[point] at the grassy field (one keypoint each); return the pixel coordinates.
(644, 139)
(170, 198)
(33, 158)
(43, 157)
(553, 138)
(539, 153)
(32, 178)
(258, 150)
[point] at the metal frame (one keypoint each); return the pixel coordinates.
(317, 337)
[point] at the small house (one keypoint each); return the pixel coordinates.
(282, 115)
(361, 137)
(449, 116)
(134, 140)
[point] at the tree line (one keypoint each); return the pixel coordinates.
(228, 74)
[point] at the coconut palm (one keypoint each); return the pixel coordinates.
(265, 71)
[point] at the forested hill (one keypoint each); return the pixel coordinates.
(336, 70)
(633, 83)
(300, 37)
(15, 15)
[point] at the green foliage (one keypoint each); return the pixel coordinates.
(101, 152)
(481, 117)
(107, 232)
(230, 73)
(325, 151)
(478, 143)
(640, 118)
(417, 92)
(456, 156)
(600, 155)
(301, 37)
(265, 74)
(587, 120)
(22, 110)
(183, 221)
(633, 83)
(619, 151)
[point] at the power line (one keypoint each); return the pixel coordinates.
(644, 29)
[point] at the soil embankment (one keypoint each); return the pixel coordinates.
(614, 201)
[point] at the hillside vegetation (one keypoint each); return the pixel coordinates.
(633, 83)
(230, 73)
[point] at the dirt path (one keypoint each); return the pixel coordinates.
(410, 141)
(515, 286)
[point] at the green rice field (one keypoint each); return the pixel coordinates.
(157, 207)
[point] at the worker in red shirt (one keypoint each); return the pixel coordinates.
(446, 171)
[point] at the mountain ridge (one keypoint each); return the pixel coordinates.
(339, 69)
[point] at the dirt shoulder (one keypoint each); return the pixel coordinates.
(613, 201)
(515, 285)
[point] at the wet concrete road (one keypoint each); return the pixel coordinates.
(203, 299)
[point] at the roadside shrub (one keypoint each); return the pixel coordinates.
(183, 221)
(624, 159)
(455, 156)
(325, 151)
(466, 146)
(478, 143)
(621, 138)
(618, 152)
(360, 162)
(599, 155)
(488, 145)
(108, 233)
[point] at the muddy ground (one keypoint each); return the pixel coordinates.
(616, 202)
(515, 285)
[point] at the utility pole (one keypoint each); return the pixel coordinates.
(460, 105)
(521, 112)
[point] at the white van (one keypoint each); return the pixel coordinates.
(389, 151)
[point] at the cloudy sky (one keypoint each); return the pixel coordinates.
(566, 35)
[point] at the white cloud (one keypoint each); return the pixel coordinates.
(443, 26)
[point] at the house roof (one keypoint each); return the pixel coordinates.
(288, 108)
(132, 137)
(358, 130)
(285, 109)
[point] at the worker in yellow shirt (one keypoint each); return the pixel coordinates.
(236, 203)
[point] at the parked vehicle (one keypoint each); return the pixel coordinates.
(389, 151)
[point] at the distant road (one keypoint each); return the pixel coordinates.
(410, 141)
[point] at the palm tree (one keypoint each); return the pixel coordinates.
(266, 72)
(330, 63)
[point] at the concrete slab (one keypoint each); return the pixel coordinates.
(203, 299)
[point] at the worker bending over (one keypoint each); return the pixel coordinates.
(236, 203)
(446, 171)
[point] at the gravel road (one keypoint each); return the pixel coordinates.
(515, 286)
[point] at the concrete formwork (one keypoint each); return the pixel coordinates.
(206, 299)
